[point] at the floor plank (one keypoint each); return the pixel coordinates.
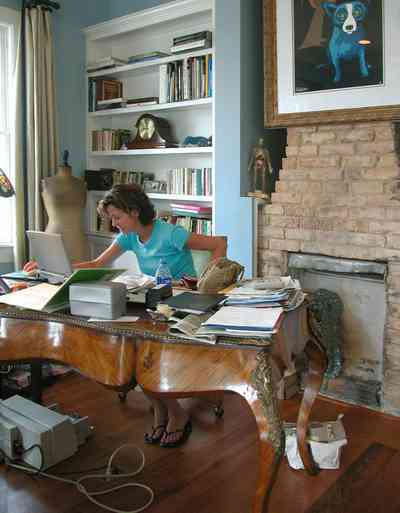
(215, 472)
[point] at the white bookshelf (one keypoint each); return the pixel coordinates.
(187, 104)
(144, 31)
(153, 151)
(132, 70)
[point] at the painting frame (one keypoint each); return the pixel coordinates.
(274, 116)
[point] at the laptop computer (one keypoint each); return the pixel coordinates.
(49, 252)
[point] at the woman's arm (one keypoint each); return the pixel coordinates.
(217, 245)
(102, 260)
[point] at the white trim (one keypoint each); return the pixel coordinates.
(368, 96)
(11, 19)
(152, 16)
(153, 151)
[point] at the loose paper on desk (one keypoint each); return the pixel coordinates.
(34, 298)
(189, 327)
(245, 318)
(262, 286)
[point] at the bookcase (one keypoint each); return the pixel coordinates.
(179, 169)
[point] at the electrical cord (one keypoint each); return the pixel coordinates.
(93, 469)
(108, 475)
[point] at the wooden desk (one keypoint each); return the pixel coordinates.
(163, 364)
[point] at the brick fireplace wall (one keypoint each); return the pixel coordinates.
(338, 195)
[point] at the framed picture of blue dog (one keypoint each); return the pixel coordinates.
(331, 61)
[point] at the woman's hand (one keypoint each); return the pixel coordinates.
(18, 286)
(31, 266)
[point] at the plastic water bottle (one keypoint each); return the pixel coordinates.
(163, 274)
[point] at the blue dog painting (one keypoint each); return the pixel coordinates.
(337, 44)
(348, 38)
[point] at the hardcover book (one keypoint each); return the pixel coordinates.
(191, 45)
(203, 34)
(194, 303)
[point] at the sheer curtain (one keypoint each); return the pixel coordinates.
(10, 132)
(42, 147)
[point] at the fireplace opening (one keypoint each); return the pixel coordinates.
(361, 286)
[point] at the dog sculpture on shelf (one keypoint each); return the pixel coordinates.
(348, 39)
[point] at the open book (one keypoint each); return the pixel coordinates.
(49, 298)
(189, 325)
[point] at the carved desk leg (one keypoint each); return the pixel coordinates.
(263, 402)
(317, 366)
(178, 370)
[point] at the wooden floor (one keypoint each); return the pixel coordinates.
(214, 472)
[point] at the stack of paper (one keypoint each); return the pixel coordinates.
(267, 293)
(242, 322)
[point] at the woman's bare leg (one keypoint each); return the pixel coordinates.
(169, 413)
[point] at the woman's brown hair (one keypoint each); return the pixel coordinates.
(128, 197)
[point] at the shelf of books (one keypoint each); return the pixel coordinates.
(121, 69)
(185, 79)
(159, 61)
(152, 106)
(190, 150)
(195, 216)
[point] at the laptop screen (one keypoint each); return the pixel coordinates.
(49, 252)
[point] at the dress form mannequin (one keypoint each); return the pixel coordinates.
(64, 197)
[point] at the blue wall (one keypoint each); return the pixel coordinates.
(68, 23)
(70, 57)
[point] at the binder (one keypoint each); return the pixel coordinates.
(195, 303)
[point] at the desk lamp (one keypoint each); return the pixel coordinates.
(6, 189)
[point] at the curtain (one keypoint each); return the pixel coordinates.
(41, 126)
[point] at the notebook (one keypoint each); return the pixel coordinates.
(194, 303)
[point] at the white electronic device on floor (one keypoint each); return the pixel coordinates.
(25, 425)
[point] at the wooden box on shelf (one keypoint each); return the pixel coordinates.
(108, 89)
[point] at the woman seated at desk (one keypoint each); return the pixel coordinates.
(132, 213)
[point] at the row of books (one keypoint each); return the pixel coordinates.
(187, 79)
(110, 139)
(190, 181)
(133, 176)
(194, 225)
(184, 43)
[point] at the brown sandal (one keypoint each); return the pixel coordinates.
(186, 431)
(151, 438)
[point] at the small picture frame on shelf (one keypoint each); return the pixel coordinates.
(158, 186)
